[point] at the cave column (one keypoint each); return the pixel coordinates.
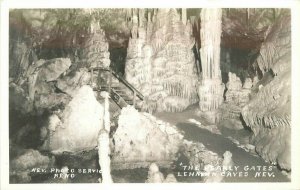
(210, 89)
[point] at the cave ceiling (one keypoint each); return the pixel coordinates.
(49, 28)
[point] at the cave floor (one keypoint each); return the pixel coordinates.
(219, 143)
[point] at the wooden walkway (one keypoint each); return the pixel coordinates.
(118, 90)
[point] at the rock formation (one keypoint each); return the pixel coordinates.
(204, 160)
(160, 62)
(95, 51)
(199, 156)
(154, 175)
(72, 81)
(236, 97)
(21, 166)
(227, 160)
(146, 140)
(51, 97)
(170, 179)
(211, 89)
(56, 88)
(76, 128)
(237, 93)
(268, 113)
(36, 88)
(95, 54)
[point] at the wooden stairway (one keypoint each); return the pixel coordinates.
(120, 90)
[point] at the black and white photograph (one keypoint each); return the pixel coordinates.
(149, 95)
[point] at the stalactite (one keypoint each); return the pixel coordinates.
(141, 17)
(183, 16)
(149, 16)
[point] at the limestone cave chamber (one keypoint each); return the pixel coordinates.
(149, 95)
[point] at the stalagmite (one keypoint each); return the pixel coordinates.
(211, 89)
(227, 161)
(154, 175)
(95, 49)
(103, 143)
(64, 173)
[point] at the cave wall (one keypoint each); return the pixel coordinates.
(268, 113)
(160, 61)
(46, 89)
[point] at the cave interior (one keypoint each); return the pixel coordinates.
(139, 94)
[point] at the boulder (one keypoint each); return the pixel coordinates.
(79, 125)
(53, 68)
(50, 101)
(73, 81)
(146, 138)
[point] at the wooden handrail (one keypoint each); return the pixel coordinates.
(121, 79)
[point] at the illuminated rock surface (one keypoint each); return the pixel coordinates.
(268, 113)
(147, 140)
(79, 124)
(160, 62)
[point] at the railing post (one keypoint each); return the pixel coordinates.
(134, 95)
(92, 76)
(110, 81)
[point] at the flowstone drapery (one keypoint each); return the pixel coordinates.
(160, 62)
(211, 89)
(268, 113)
